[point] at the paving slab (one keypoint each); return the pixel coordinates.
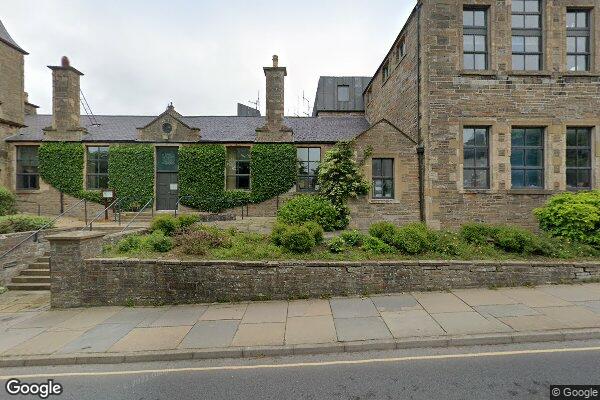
(506, 310)
(264, 334)
(411, 323)
(275, 311)
(591, 305)
(141, 316)
(533, 297)
(482, 297)
(98, 339)
(572, 293)
(365, 328)
(208, 334)
(398, 302)
(8, 320)
(573, 316)
(459, 323)
(308, 308)
(441, 302)
(47, 319)
(87, 319)
(532, 323)
(44, 343)
(140, 339)
(180, 315)
(353, 307)
(224, 311)
(12, 338)
(303, 330)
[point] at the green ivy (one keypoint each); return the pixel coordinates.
(273, 168)
(61, 166)
(131, 173)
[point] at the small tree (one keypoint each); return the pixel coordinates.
(340, 178)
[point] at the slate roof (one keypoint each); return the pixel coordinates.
(5, 37)
(115, 128)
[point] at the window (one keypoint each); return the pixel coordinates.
(578, 40)
(579, 158)
(97, 168)
(527, 158)
(401, 50)
(526, 35)
(309, 159)
(343, 93)
(383, 178)
(475, 39)
(368, 95)
(385, 72)
(238, 168)
(476, 158)
(27, 167)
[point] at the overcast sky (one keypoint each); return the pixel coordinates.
(203, 55)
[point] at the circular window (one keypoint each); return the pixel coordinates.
(167, 127)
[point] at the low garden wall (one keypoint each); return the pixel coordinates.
(79, 279)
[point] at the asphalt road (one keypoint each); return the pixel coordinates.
(490, 372)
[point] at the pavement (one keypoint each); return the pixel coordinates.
(32, 334)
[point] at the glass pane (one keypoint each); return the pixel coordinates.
(518, 5)
(377, 171)
(584, 178)
(243, 153)
(583, 137)
(388, 188)
(532, 21)
(582, 44)
(166, 159)
(377, 188)
(481, 137)
(303, 183)
(518, 137)
(243, 182)
(479, 19)
(469, 136)
(481, 177)
(480, 63)
(469, 43)
(518, 21)
(571, 19)
(532, 6)
(571, 137)
(314, 154)
(243, 167)
(582, 20)
(571, 44)
(481, 158)
(517, 158)
(313, 167)
(583, 158)
(571, 63)
(572, 178)
(469, 178)
(479, 42)
(532, 63)
(103, 181)
(533, 178)
(518, 44)
(469, 157)
(468, 18)
(518, 178)
(532, 44)
(518, 62)
(582, 63)
(533, 137)
(388, 167)
(533, 158)
(302, 153)
(571, 158)
(469, 61)
(343, 93)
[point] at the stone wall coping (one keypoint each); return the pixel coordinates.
(50, 231)
(127, 261)
(75, 236)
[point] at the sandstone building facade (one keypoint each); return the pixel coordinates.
(481, 110)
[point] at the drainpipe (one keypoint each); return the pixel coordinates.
(420, 146)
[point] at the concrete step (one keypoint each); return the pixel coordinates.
(36, 272)
(28, 286)
(39, 265)
(31, 279)
(44, 259)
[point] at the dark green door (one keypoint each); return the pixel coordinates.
(167, 190)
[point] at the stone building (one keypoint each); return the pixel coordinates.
(480, 110)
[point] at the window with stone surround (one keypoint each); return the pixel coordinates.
(385, 71)
(475, 33)
(238, 168)
(383, 178)
(401, 50)
(579, 158)
(527, 158)
(309, 159)
(578, 40)
(28, 177)
(527, 35)
(97, 167)
(476, 158)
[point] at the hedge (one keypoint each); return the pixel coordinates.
(273, 170)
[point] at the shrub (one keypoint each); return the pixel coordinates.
(129, 243)
(449, 243)
(198, 242)
(23, 223)
(158, 241)
(376, 246)
(167, 223)
(575, 216)
(316, 231)
(383, 230)
(353, 238)
(515, 240)
(305, 208)
(277, 233)
(187, 220)
(478, 233)
(412, 238)
(298, 239)
(336, 245)
(7, 202)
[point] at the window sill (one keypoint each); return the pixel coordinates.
(581, 74)
(28, 191)
(530, 73)
(383, 201)
(531, 191)
(483, 72)
(477, 191)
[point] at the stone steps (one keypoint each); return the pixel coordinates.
(28, 286)
(31, 279)
(35, 277)
(36, 272)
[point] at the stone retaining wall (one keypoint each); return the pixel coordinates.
(97, 282)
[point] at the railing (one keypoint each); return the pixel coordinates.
(179, 200)
(150, 201)
(115, 203)
(35, 234)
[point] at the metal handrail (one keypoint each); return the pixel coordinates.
(35, 234)
(179, 200)
(100, 213)
(138, 213)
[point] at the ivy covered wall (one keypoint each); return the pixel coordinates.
(273, 170)
(131, 173)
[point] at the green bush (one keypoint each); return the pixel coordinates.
(130, 243)
(353, 238)
(131, 173)
(384, 231)
(515, 240)
(449, 243)
(23, 223)
(277, 232)
(200, 240)
(412, 238)
(7, 202)
(158, 241)
(274, 169)
(298, 239)
(575, 216)
(187, 220)
(166, 223)
(377, 246)
(305, 208)
(478, 233)
(316, 231)
(336, 245)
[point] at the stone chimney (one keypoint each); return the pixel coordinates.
(65, 99)
(274, 130)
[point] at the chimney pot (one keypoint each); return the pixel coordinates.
(275, 61)
(64, 62)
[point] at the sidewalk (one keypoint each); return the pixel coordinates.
(31, 334)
